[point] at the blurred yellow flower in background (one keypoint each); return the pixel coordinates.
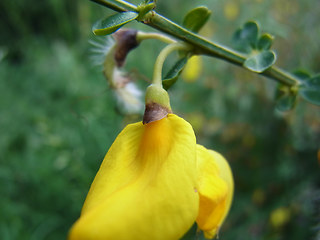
(231, 10)
(258, 196)
(192, 69)
(280, 217)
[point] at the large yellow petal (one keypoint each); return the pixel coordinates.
(145, 187)
(215, 190)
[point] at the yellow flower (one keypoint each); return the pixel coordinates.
(280, 217)
(154, 183)
(193, 69)
(231, 10)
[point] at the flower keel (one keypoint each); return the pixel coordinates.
(215, 190)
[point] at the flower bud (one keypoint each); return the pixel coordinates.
(157, 104)
(126, 41)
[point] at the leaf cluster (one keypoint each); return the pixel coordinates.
(257, 47)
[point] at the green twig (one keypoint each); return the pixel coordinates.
(116, 5)
(200, 44)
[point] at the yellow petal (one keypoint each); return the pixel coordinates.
(145, 187)
(215, 190)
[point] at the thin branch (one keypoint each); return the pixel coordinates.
(201, 45)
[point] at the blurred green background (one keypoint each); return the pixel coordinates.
(58, 118)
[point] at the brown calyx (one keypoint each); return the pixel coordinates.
(126, 41)
(154, 112)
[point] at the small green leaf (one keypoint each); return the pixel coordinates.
(250, 32)
(260, 62)
(310, 90)
(314, 81)
(113, 23)
(196, 18)
(246, 38)
(302, 74)
(285, 98)
(144, 8)
(174, 72)
(265, 41)
(286, 103)
(240, 43)
(311, 95)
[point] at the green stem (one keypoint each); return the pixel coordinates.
(279, 74)
(200, 44)
(145, 35)
(157, 72)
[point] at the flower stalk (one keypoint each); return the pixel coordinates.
(157, 73)
(157, 99)
(145, 36)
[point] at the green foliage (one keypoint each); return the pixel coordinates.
(174, 72)
(310, 90)
(196, 18)
(308, 87)
(265, 42)
(145, 8)
(113, 23)
(246, 38)
(259, 62)
(285, 98)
